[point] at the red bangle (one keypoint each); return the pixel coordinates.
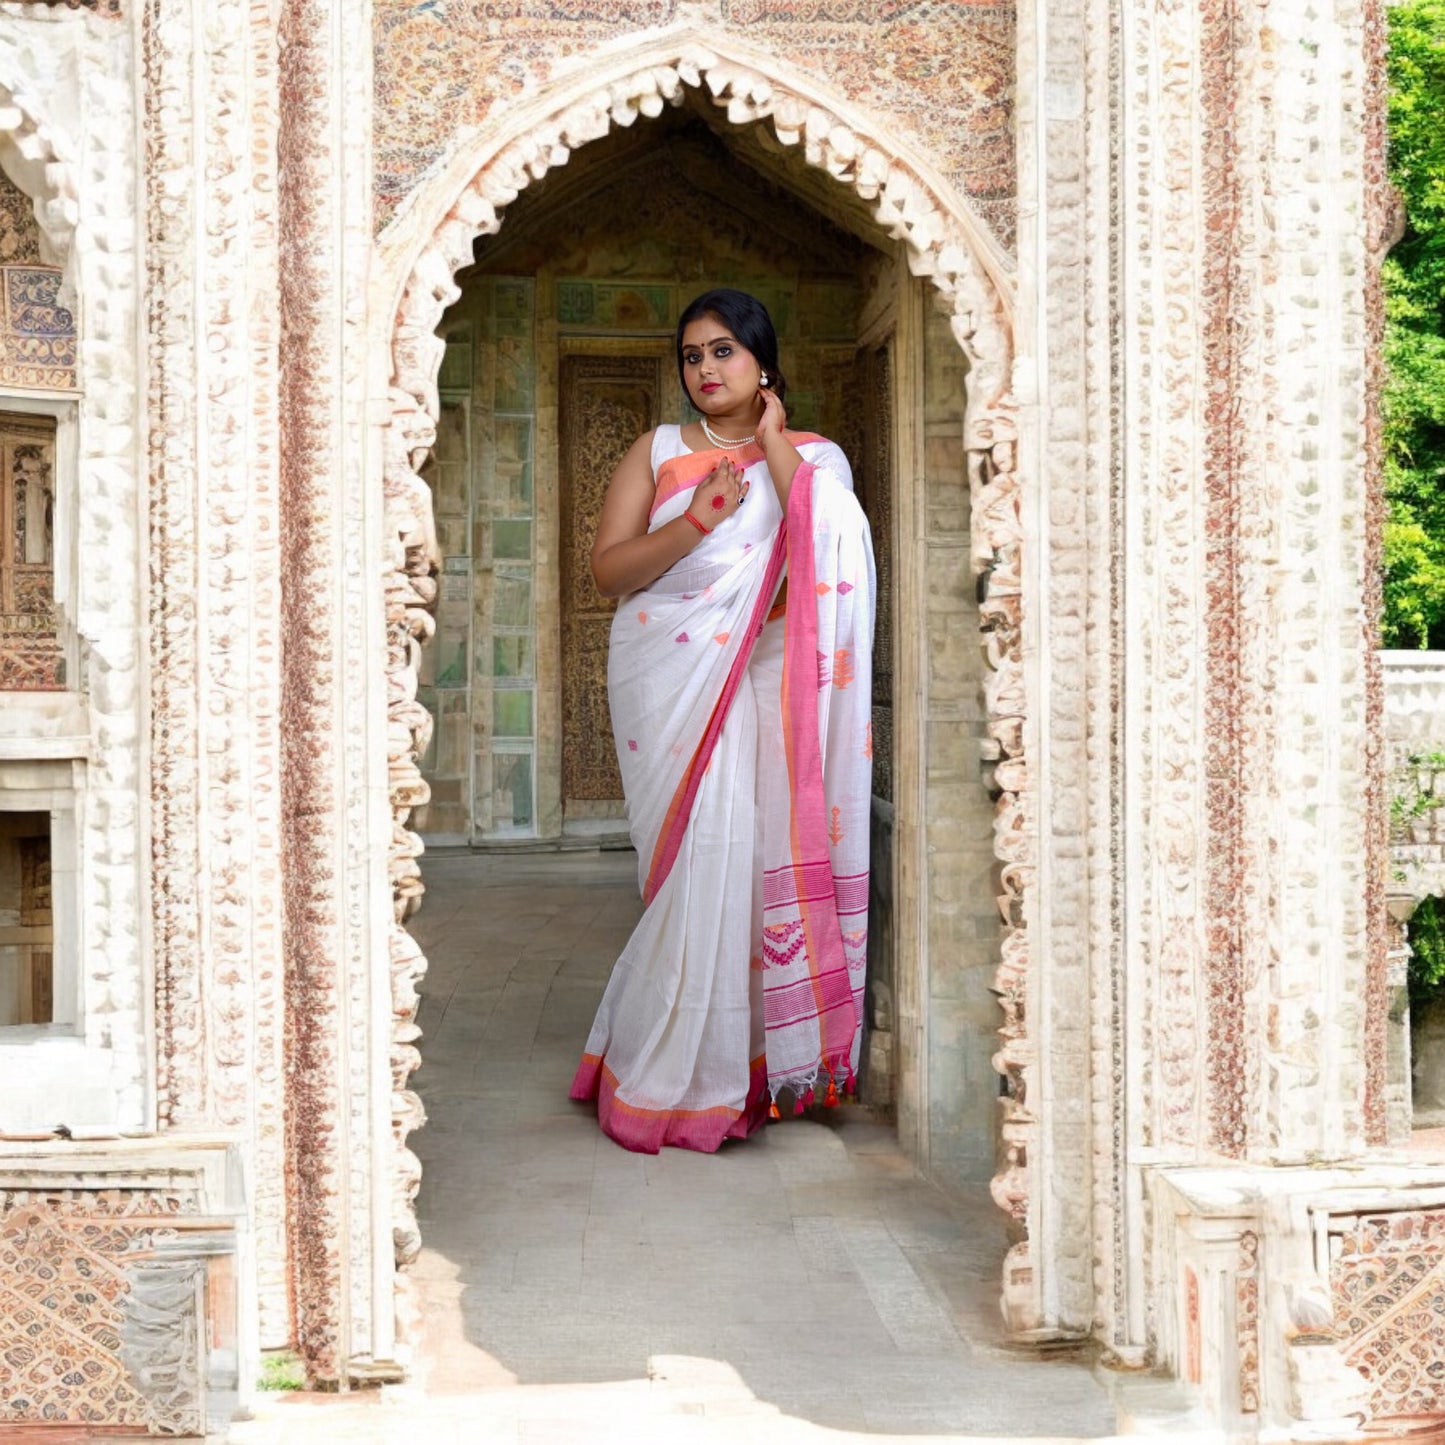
(697, 524)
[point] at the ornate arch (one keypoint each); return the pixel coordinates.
(35, 156)
(945, 243)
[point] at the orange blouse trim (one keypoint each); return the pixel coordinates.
(687, 469)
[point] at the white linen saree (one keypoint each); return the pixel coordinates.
(746, 750)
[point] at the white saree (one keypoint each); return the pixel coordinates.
(746, 750)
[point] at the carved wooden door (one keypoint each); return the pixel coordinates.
(605, 402)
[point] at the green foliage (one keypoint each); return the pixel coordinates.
(1414, 277)
(1415, 792)
(1419, 788)
(282, 1370)
(1427, 939)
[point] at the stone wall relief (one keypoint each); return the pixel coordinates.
(37, 332)
(32, 655)
(1387, 1284)
(942, 243)
(117, 1289)
(942, 74)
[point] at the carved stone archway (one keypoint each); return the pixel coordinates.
(36, 158)
(945, 243)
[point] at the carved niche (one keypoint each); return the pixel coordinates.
(37, 333)
(30, 653)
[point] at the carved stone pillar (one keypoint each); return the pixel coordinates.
(1399, 1096)
(336, 825)
(1062, 1125)
(207, 75)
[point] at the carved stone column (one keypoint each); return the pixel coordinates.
(1306, 503)
(207, 77)
(1399, 1094)
(335, 826)
(1062, 1128)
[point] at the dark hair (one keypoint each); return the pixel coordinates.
(748, 320)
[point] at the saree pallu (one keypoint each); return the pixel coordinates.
(746, 754)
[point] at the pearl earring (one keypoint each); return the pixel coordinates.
(763, 379)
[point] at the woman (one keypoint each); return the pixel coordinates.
(743, 732)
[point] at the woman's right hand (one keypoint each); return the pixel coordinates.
(719, 494)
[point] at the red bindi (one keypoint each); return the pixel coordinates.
(718, 504)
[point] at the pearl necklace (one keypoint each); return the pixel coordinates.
(718, 441)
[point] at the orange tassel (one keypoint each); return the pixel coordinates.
(830, 1099)
(774, 1112)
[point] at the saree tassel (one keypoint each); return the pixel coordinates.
(773, 1111)
(808, 1099)
(830, 1099)
(851, 1087)
(797, 1106)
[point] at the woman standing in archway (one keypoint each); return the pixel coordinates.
(743, 730)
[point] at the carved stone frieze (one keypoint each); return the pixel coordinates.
(215, 603)
(19, 230)
(332, 621)
(111, 8)
(1162, 431)
(31, 656)
(1381, 217)
(942, 74)
(93, 1336)
(1247, 1321)
(1387, 1279)
(167, 44)
(1226, 239)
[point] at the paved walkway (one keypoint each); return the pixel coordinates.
(800, 1283)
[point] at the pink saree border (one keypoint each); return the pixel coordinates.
(648, 1131)
(828, 973)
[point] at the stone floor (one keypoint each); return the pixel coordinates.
(796, 1285)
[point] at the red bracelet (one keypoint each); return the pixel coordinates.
(697, 524)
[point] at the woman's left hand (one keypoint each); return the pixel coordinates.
(775, 419)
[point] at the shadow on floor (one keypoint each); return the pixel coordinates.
(811, 1259)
